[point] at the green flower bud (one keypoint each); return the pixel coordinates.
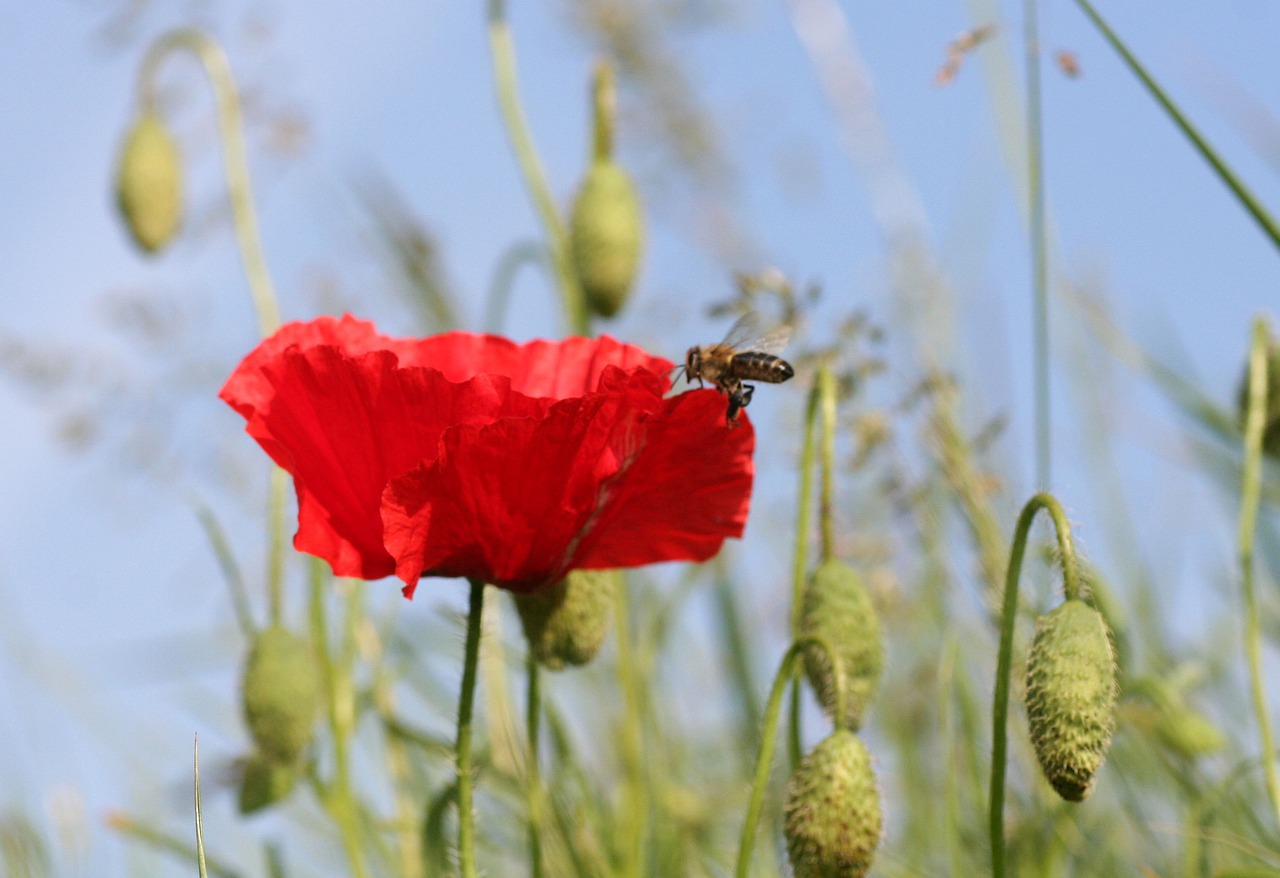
(832, 814)
(837, 606)
(565, 623)
(1071, 696)
(149, 183)
(264, 782)
(280, 694)
(606, 235)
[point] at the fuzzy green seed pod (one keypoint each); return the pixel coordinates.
(606, 235)
(149, 183)
(280, 694)
(565, 623)
(1071, 696)
(264, 782)
(837, 606)
(832, 811)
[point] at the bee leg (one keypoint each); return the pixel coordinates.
(745, 394)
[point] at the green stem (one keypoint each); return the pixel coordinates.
(826, 499)
(769, 735)
(631, 740)
(340, 697)
(1259, 213)
(1000, 706)
(231, 130)
(502, 51)
(1039, 245)
(604, 100)
(533, 716)
(800, 566)
(466, 701)
(245, 220)
(230, 569)
(1255, 420)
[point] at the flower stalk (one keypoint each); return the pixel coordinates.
(502, 53)
(466, 702)
(1255, 422)
(1000, 705)
(787, 671)
(1039, 243)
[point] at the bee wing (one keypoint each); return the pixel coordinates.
(749, 333)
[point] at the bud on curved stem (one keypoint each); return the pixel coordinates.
(149, 182)
(1000, 704)
(769, 735)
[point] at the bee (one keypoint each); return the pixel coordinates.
(743, 355)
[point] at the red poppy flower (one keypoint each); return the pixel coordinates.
(470, 455)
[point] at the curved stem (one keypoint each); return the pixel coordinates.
(517, 256)
(1000, 705)
(502, 51)
(769, 736)
(1039, 249)
(466, 701)
(1255, 420)
(231, 130)
(826, 499)
(533, 716)
(277, 497)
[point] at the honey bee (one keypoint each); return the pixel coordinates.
(744, 355)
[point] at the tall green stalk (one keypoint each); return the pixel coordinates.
(787, 670)
(244, 219)
(631, 740)
(1039, 244)
(1000, 705)
(1259, 213)
(466, 702)
(1255, 421)
(502, 52)
(533, 777)
(800, 564)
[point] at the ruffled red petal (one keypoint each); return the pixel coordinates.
(615, 479)
(346, 410)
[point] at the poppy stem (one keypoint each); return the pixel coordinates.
(502, 53)
(466, 701)
(1000, 705)
(787, 671)
(533, 716)
(800, 566)
(1255, 422)
(631, 740)
(231, 130)
(826, 498)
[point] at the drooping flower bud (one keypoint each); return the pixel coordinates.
(264, 782)
(1071, 696)
(837, 606)
(280, 694)
(1189, 733)
(832, 811)
(565, 623)
(606, 230)
(149, 183)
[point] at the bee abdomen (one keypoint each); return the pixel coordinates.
(757, 366)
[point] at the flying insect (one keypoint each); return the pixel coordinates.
(744, 355)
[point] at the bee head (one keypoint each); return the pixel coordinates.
(693, 363)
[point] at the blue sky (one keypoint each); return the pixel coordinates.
(105, 568)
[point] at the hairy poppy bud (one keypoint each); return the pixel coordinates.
(833, 816)
(280, 693)
(837, 606)
(566, 623)
(606, 234)
(149, 183)
(1071, 696)
(264, 782)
